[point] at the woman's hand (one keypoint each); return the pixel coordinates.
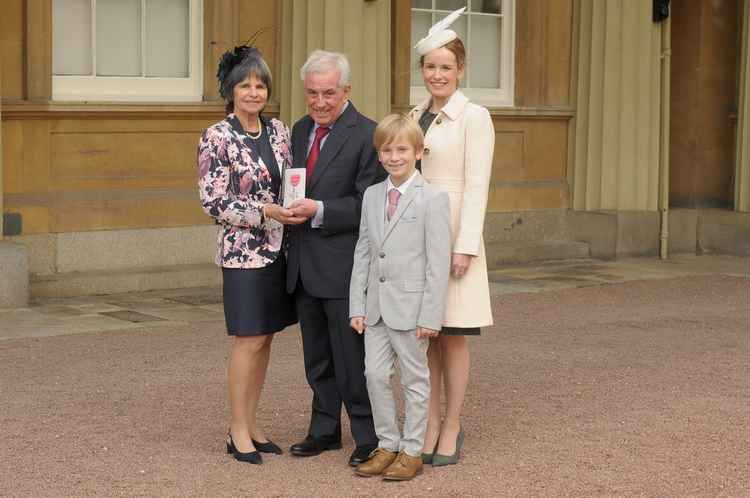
(460, 264)
(358, 324)
(282, 214)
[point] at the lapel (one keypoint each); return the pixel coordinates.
(276, 148)
(379, 210)
(342, 130)
(416, 112)
(299, 143)
(411, 193)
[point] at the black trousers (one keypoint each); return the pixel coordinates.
(335, 368)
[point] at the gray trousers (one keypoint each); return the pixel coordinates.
(383, 347)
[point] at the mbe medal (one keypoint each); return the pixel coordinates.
(294, 185)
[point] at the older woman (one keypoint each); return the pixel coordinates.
(459, 142)
(240, 164)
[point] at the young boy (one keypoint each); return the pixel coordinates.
(401, 269)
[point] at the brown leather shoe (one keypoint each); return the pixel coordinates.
(378, 461)
(403, 468)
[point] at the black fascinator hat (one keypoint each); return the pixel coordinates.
(237, 64)
(229, 60)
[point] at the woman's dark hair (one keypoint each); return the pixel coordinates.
(237, 65)
(459, 51)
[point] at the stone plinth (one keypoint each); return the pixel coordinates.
(14, 275)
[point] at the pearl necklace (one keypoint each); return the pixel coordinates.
(259, 132)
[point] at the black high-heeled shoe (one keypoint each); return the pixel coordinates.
(267, 447)
(249, 457)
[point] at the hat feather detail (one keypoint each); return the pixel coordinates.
(447, 21)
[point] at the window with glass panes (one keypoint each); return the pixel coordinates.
(126, 50)
(487, 30)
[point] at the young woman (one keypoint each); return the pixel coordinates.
(459, 143)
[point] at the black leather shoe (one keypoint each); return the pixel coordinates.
(267, 447)
(249, 457)
(312, 446)
(361, 454)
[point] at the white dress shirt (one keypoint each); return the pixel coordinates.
(401, 188)
(317, 219)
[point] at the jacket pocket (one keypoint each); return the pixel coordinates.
(413, 285)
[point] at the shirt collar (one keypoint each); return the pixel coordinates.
(403, 187)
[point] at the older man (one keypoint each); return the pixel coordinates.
(334, 143)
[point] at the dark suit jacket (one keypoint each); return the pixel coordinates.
(347, 165)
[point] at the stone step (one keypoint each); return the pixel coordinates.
(511, 253)
(88, 283)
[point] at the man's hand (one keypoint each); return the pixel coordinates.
(304, 208)
(358, 324)
(282, 214)
(425, 333)
(460, 264)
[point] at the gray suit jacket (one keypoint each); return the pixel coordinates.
(401, 267)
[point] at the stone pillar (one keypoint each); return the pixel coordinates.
(742, 158)
(14, 274)
(361, 29)
(615, 164)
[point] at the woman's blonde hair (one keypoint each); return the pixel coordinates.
(398, 125)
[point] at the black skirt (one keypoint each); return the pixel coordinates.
(256, 301)
(460, 331)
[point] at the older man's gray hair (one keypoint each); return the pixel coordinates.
(321, 61)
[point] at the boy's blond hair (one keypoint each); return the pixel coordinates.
(398, 125)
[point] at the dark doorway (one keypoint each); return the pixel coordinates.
(705, 52)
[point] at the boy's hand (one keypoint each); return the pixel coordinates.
(425, 333)
(358, 324)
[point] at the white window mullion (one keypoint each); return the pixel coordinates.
(467, 74)
(143, 39)
(93, 38)
(508, 37)
(190, 42)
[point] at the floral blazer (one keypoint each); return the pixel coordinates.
(234, 183)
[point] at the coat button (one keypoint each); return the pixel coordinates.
(438, 121)
(382, 255)
(382, 279)
(426, 151)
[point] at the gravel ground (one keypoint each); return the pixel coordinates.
(638, 388)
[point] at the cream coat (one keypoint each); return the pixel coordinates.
(458, 159)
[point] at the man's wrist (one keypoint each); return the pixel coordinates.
(317, 220)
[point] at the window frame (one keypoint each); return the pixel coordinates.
(139, 88)
(489, 97)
